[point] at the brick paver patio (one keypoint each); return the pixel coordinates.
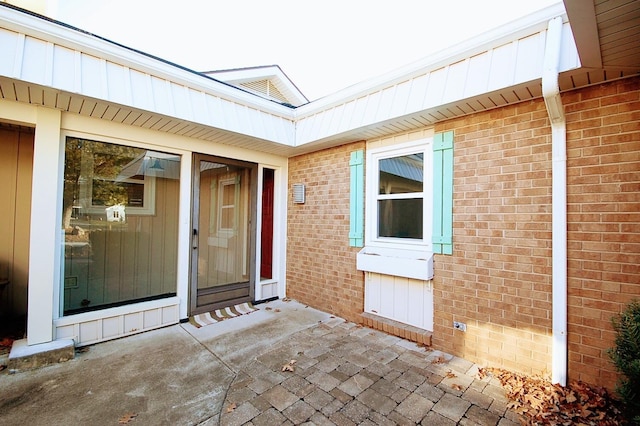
(345, 374)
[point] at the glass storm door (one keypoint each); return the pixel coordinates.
(223, 236)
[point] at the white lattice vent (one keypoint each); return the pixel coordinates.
(265, 87)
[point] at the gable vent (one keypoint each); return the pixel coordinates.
(265, 87)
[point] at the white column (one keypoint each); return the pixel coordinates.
(44, 244)
(184, 231)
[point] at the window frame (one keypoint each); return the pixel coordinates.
(374, 155)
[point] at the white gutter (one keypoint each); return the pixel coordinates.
(551, 94)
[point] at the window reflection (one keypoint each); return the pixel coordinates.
(120, 222)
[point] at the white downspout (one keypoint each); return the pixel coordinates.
(551, 94)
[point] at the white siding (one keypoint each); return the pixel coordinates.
(401, 299)
(90, 328)
(431, 89)
(106, 78)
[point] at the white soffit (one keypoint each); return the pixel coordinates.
(607, 33)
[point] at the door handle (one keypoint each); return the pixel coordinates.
(194, 239)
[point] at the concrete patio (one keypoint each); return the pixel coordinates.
(231, 373)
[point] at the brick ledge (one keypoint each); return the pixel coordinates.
(397, 328)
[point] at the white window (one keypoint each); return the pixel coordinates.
(228, 199)
(399, 196)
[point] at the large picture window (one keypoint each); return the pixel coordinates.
(120, 223)
(399, 195)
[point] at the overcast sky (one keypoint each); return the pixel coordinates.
(323, 46)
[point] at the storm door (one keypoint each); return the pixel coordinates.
(223, 236)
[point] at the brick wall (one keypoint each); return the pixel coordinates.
(320, 263)
(498, 280)
(499, 277)
(603, 160)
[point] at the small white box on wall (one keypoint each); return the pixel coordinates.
(298, 193)
(397, 262)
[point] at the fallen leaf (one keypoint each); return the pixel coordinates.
(482, 373)
(438, 360)
(276, 310)
(127, 418)
(456, 387)
(289, 366)
(268, 308)
(544, 403)
(450, 375)
(231, 407)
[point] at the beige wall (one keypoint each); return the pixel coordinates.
(320, 263)
(603, 160)
(16, 166)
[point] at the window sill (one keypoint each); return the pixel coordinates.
(397, 262)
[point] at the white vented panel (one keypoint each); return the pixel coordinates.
(401, 299)
(298, 193)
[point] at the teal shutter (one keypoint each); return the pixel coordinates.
(356, 215)
(443, 193)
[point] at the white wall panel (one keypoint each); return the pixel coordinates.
(400, 99)
(400, 299)
(385, 103)
(417, 93)
(477, 75)
(501, 71)
(91, 76)
(99, 326)
(34, 60)
(141, 90)
(118, 83)
(456, 81)
(198, 102)
(8, 51)
(180, 98)
(333, 126)
(64, 74)
(528, 63)
(436, 87)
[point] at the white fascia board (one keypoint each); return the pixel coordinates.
(76, 39)
(528, 25)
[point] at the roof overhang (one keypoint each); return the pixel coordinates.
(44, 62)
(607, 33)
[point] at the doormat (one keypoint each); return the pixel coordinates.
(218, 315)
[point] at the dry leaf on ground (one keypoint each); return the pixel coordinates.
(438, 360)
(289, 366)
(231, 407)
(542, 403)
(450, 374)
(127, 418)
